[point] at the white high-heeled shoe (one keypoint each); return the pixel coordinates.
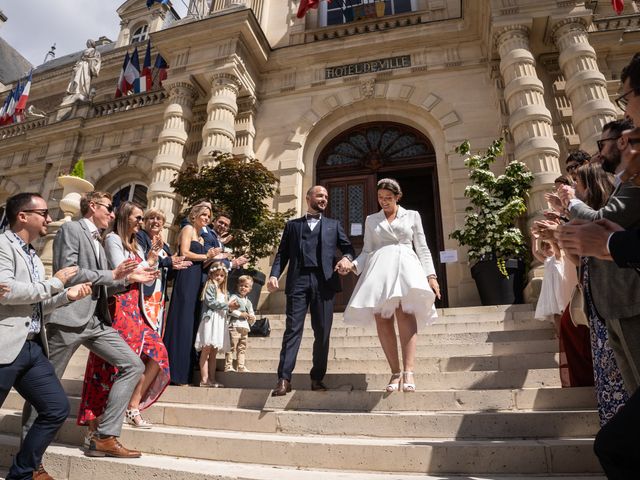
(408, 386)
(393, 385)
(131, 419)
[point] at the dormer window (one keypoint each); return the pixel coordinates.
(346, 11)
(141, 34)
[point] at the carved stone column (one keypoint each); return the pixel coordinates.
(169, 159)
(585, 84)
(529, 117)
(245, 128)
(219, 131)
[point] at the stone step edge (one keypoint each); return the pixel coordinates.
(149, 466)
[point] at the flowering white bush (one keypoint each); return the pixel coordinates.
(490, 229)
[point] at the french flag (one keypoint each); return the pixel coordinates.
(146, 80)
(21, 104)
(122, 87)
(160, 68)
(132, 72)
(5, 107)
(163, 2)
(7, 118)
(618, 6)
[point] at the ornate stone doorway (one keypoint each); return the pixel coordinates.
(351, 164)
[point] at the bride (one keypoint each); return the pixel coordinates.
(394, 280)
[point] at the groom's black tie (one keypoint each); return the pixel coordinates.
(313, 215)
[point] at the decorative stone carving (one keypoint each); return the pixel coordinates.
(368, 87)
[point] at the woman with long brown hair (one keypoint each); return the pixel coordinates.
(127, 319)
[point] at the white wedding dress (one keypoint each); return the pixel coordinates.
(391, 272)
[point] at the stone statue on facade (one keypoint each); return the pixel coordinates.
(84, 70)
(79, 88)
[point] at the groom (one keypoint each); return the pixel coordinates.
(309, 245)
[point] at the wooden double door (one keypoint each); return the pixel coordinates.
(350, 166)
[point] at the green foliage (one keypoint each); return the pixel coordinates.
(240, 188)
(78, 169)
(490, 228)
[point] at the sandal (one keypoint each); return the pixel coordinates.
(394, 382)
(134, 418)
(407, 386)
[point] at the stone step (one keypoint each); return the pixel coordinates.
(458, 425)
(463, 325)
(524, 378)
(65, 462)
(417, 454)
(538, 399)
(420, 454)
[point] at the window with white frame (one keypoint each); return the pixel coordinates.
(132, 192)
(344, 11)
(141, 34)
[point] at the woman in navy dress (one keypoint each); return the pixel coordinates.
(184, 309)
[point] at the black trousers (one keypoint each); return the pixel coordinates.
(618, 442)
(33, 377)
(309, 292)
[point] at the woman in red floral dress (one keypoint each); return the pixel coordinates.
(128, 321)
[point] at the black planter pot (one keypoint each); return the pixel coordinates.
(258, 282)
(494, 287)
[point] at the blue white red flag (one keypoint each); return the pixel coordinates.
(7, 118)
(122, 88)
(160, 68)
(21, 104)
(5, 107)
(163, 2)
(146, 80)
(132, 72)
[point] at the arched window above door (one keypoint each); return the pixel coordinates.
(374, 145)
(132, 192)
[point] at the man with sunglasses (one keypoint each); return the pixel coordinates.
(609, 153)
(25, 298)
(87, 322)
(574, 161)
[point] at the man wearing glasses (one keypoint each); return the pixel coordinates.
(87, 322)
(608, 149)
(221, 226)
(574, 161)
(25, 298)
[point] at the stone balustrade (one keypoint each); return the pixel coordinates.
(20, 128)
(128, 102)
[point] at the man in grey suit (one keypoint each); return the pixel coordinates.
(26, 297)
(615, 290)
(87, 322)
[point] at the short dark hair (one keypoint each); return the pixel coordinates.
(632, 72)
(579, 156)
(563, 180)
(94, 197)
(222, 214)
(618, 126)
(19, 203)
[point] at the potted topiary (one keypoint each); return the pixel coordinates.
(239, 187)
(73, 186)
(491, 233)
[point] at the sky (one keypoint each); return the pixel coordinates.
(34, 25)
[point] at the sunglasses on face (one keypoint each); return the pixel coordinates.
(600, 143)
(622, 101)
(43, 212)
(138, 218)
(109, 206)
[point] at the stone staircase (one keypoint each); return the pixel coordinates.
(489, 405)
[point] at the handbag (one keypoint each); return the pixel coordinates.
(577, 307)
(260, 328)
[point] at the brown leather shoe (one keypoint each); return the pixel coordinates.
(109, 447)
(318, 386)
(283, 387)
(41, 474)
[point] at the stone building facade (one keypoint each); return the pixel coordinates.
(341, 102)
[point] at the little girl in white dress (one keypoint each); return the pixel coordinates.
(213, 330)
(560, 277)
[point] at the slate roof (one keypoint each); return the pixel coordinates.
(12, 65)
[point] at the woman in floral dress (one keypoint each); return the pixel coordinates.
(129, 322)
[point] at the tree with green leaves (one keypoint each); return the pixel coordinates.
(241, 189)
(496, 203)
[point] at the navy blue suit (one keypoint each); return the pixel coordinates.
(309, 288)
